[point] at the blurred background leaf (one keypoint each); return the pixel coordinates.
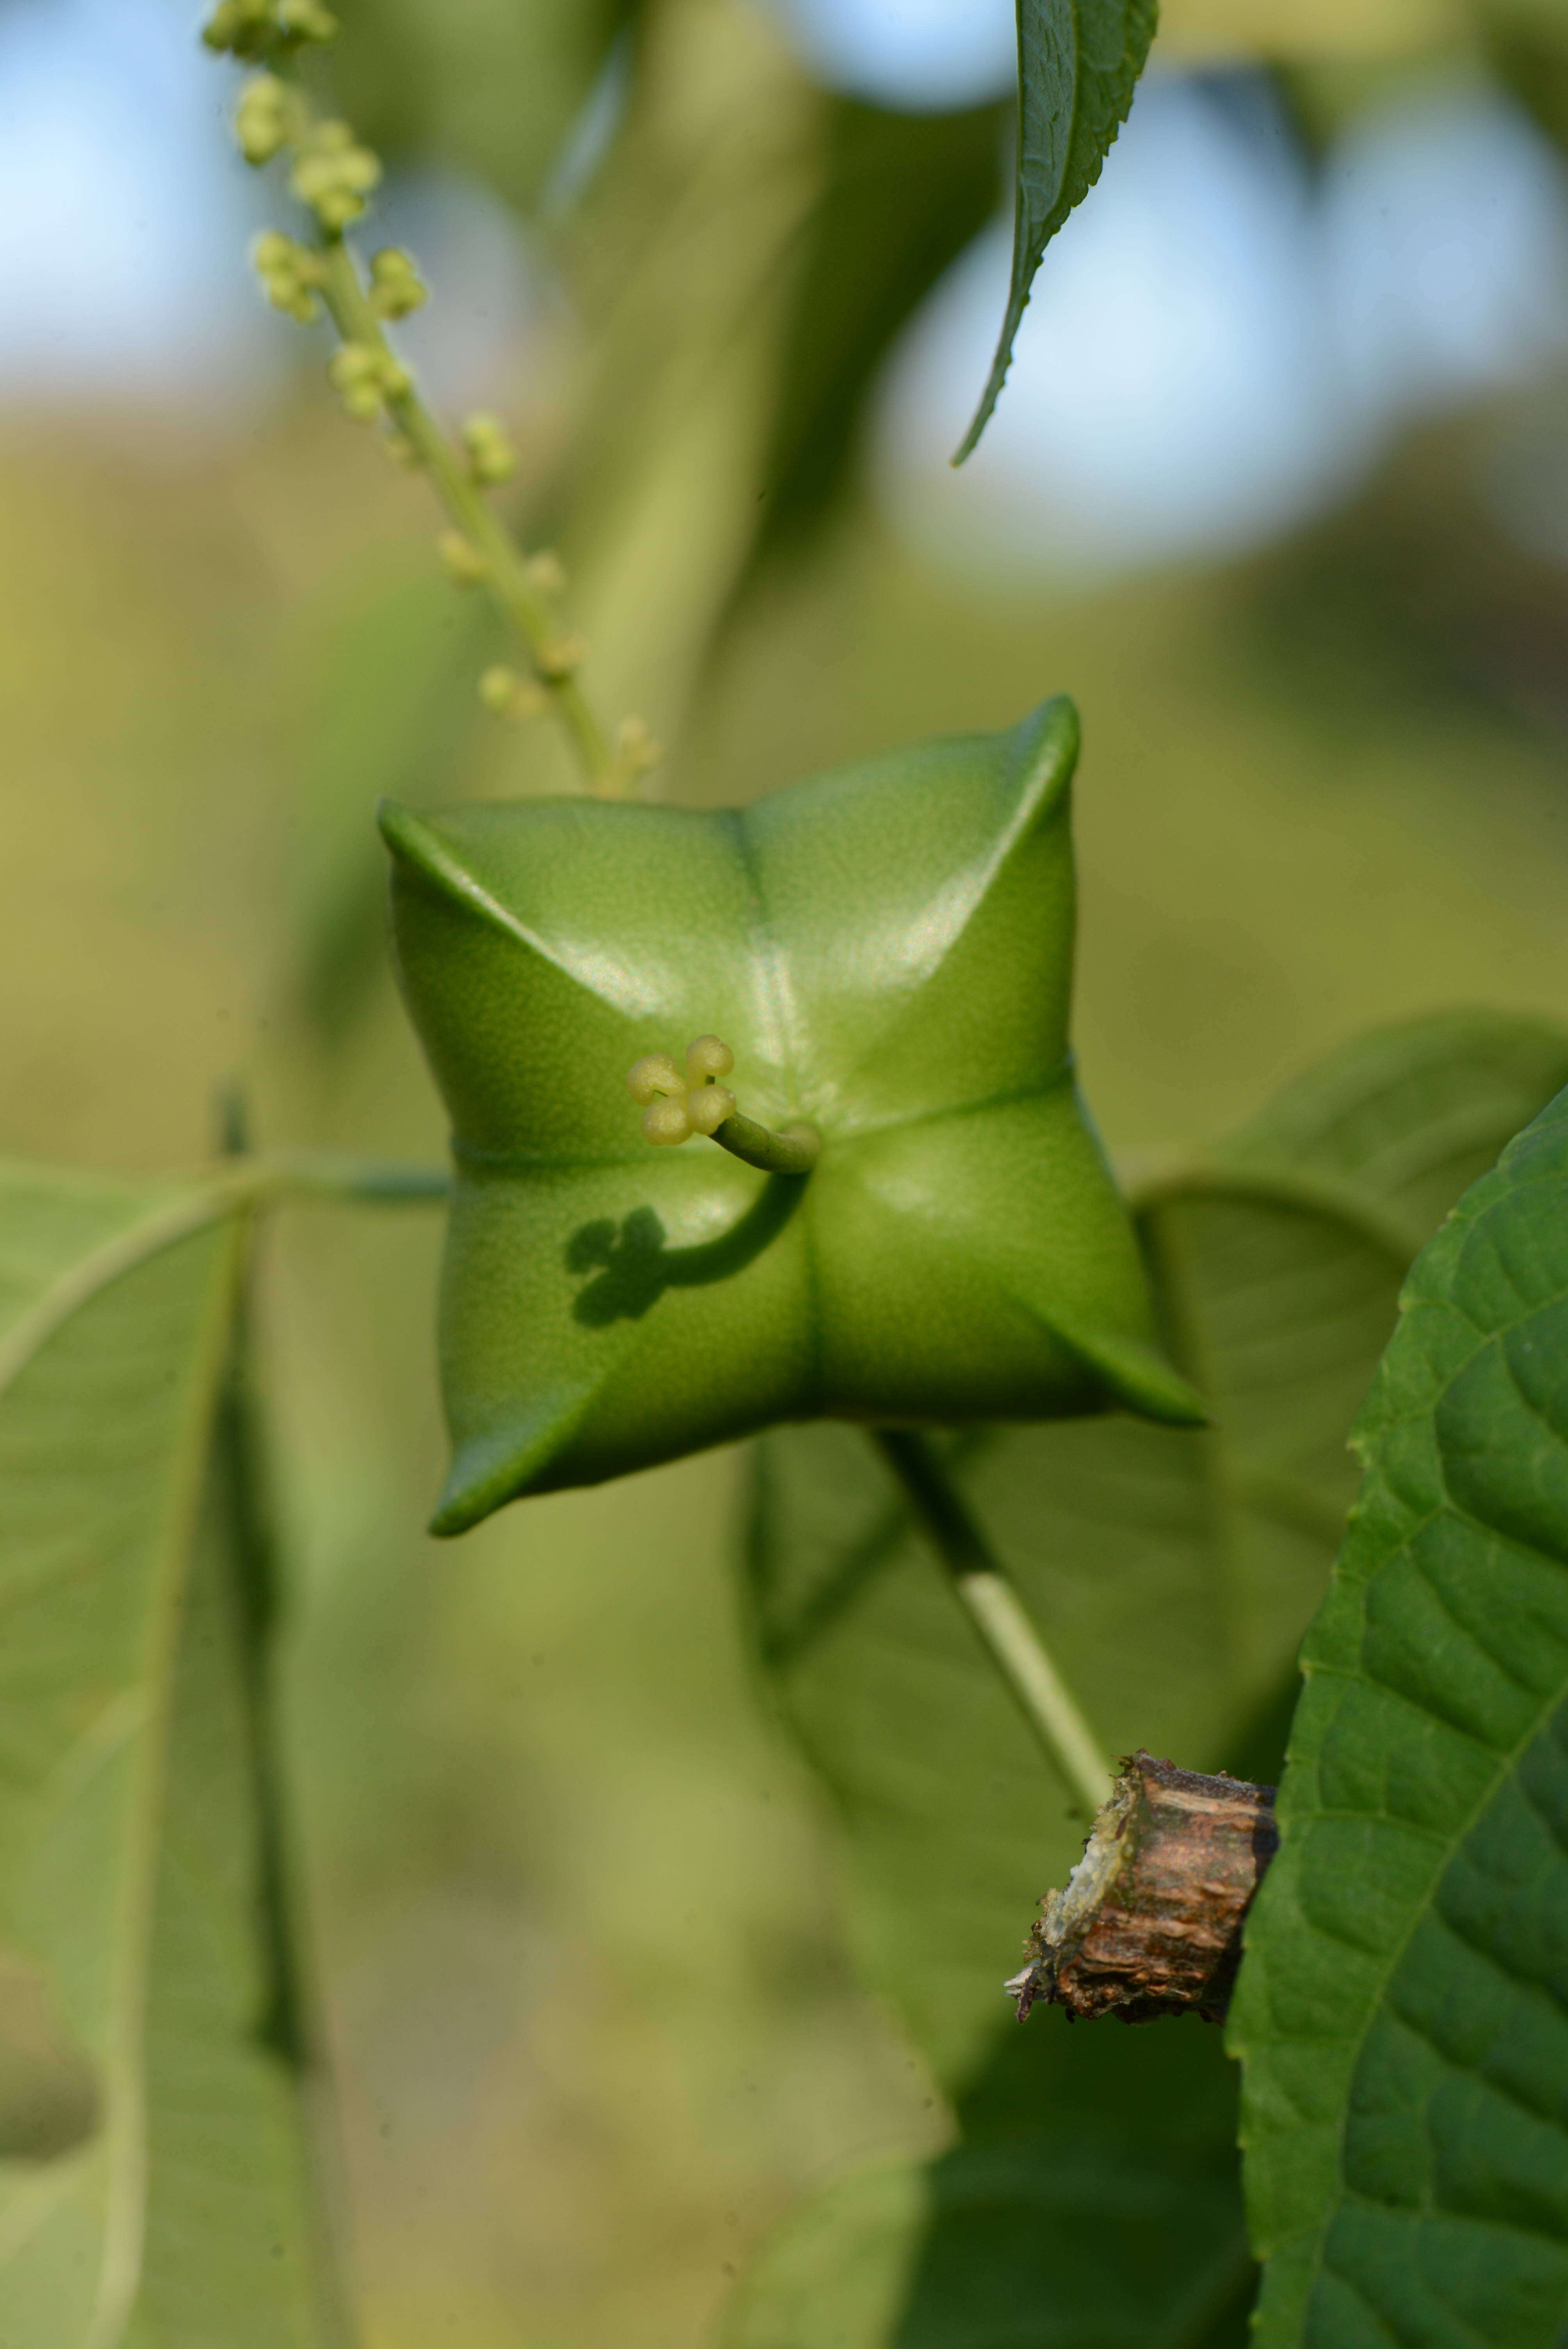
(493, 89)
(901, 196)
(176, 2211)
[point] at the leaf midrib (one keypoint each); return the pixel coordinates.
(123, 2137)
(121, 1253)
(126, 2069)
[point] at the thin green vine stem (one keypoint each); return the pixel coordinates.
(997, 1614)
(505, 568)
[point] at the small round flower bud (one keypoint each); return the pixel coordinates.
(395, 285)
(287, 272)
(654, 1075)
(358, 373)
(708, 1106)
(400, 449)
(305, 20)
(561, 657)
(492, 457)
(462, 558)
(246, 28)
(333, 174)
(547, 572)
(353, 362)
(666, 1122)
(707, 1056)
(510, 696)
(261, 119)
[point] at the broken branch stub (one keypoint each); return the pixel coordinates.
(1150, 1920)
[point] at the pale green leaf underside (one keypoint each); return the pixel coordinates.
(1078, 63)
(1403, 2014)
(1173, 1573)
(127, 1821)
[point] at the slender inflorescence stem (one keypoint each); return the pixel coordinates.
(332, 176)
(501, 566)
(993, 1608)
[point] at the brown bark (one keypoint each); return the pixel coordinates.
(1150, 1920)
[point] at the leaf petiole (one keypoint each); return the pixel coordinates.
(996, 1612)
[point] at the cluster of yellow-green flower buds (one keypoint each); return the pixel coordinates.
(364, 377)
(288, 272)
(333, 174)
(263, 119)
(677, 1106)
(492, 457)
(464, 562)
(559, 658)
(507, 695)
(395, 287)
(260, 30)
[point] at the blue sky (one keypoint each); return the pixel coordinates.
(1213, 347)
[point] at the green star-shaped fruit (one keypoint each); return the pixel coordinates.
(887, 950)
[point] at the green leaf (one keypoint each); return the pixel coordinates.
(489, 88)
(1409, 1117)
(128, 1825)
(1078, 63)
(1403, 2008)
(888, 951)
(903, 194)
(1172, 1574)
(1114, 2222)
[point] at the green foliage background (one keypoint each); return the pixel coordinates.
(584, 1963)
